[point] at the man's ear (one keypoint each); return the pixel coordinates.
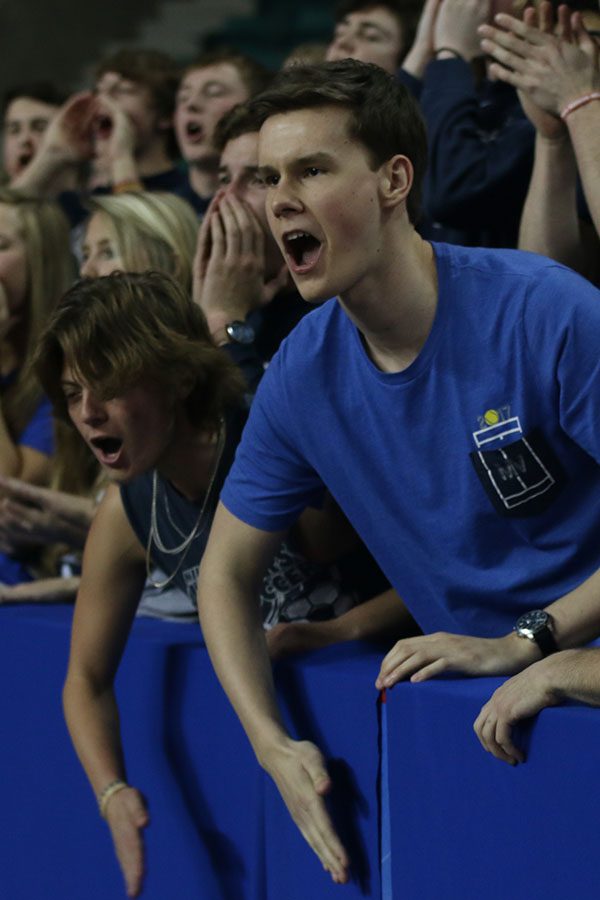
(396, 180)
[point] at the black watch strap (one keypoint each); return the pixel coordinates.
(545, 641)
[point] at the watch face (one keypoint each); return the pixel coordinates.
(241, 332)
(532, 622)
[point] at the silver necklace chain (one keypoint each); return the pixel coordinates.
(154, 536)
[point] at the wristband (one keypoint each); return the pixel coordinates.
(109, 791)
(580, 101)
(449, 50)
(130, 186)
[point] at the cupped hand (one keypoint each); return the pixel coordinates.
(229, 265)
(456, 26)
(69, 134)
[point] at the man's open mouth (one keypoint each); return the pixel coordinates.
(302, 249)
(108, 448)
(103, 127)
(24, 160)
(194, 131)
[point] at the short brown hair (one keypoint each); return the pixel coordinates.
(118, 330)
(384, 117)
(238, 121)
(253, 75)
(151, 68)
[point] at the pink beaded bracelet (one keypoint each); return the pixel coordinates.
(581, 101)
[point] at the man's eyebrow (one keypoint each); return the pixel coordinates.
(380, 28)
(311, 159)
(318, 158)
(263, 171)
(248, 170)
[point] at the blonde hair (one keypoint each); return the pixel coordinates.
(154, 231)
(50, 271)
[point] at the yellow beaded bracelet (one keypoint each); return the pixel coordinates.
(109, 791)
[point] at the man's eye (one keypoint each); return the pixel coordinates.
(215, 90)
(224, 179)
(311, 171)
(271, 180)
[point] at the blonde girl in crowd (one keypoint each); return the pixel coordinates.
(36, 267)
(130, 232)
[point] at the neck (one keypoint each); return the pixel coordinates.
(394, 306)
(203, 176)
(153, 160)
(191, 461)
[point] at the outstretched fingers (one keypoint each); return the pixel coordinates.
(303, 781)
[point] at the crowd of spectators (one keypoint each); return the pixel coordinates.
(178, 194)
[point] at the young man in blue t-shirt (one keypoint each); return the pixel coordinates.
(445, 399)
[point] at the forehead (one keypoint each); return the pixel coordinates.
(99, 227)
(28, 108)
(224, 73)
(379, 16)
(108, 80)
(306, 132)
(241, 152)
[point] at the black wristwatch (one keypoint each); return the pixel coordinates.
(240, 332)
(537, 626)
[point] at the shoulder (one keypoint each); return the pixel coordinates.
(111, 534)
(508, 267)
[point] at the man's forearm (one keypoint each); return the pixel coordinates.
(232, 629)
(584, 124)
(576, 615)
(549, 224)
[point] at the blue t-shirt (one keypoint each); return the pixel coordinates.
(472, 475)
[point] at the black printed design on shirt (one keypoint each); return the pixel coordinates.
(521, 478)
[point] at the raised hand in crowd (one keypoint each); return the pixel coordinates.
(553, 66)
(422, 50)
(556, 70)
(229, 266)
(33, 516)
(115, 140)
(455, 29)
(67, 142)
